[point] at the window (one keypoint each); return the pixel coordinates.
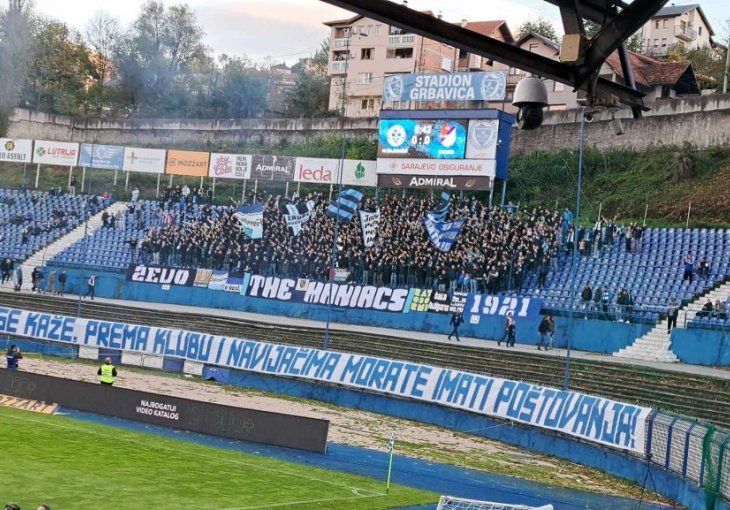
(559, 87)
(462, 53)
(367, 104)
(666, 23)
(399, 105)
(514, 71)
(396, 31)
(377, 30)
(534, 47)
(656, 42)
(399, 53)
(699, 30)
(656, 24)
(446, 63)
(664, 42)
(367, 53)
(364, 78)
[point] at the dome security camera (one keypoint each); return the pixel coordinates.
(530, 98)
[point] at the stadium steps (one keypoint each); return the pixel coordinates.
(656, 344)
(39, 258)
(674, 391)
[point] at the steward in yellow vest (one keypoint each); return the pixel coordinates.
(107, 372)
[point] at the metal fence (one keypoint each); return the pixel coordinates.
(694, 450)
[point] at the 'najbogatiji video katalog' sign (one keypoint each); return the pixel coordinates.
(599, 420)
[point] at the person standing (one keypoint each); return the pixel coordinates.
(107, 372)
(61, 286)
(36, 276)
(50, 282)
(456, 320)
(12, 357)
(689, 263)
(672, 313)
(91, 286)
(544, 330)
(509, 330)
(18, 279)
(72, 186)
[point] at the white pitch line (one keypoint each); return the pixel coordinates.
(164, 447)
(303, 502)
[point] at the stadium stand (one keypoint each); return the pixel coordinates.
(31, 220)
(534, 259)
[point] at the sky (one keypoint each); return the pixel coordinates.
(285, 30)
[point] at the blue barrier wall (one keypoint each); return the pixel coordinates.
(587, 335)
(701, 346)
(611, 461)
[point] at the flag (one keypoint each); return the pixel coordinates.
(297, 215)
(370, 223)
(442, 234)
(251, 218)
(442, 209)
(391, 442)
(346, 204)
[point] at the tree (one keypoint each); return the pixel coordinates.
(634, 43)
(708, 64)
(241, 90)
(16, 43)
(61, 71)
(157, 57)
(102, 34)
(540, 26)
(310, 95)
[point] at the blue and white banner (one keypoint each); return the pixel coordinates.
(442, 209)
(107, 157)
(595, 419)
(442, 234)
(370, 224)
(363, 297)
(346, 205)
(218, 280)
(485, 305)
(490, 86)
(251, 218)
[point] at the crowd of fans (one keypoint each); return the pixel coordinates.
(496, 249)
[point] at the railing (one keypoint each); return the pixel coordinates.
(401, 39)
(338, 66)
(341, 42)
(688, 33)
(659, 51)
(694, 450)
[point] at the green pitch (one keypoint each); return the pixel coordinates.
(75, 465)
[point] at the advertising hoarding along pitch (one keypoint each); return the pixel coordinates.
(106, 157)
(317, 170)
(190, 163)
(489, 86)
(230, 166)
(273, 168)
(357, 172)
(421, 138)
(151, 161)
(47, 152)
(13, 150)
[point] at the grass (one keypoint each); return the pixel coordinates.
(78, 465)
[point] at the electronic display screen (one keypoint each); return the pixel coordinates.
(422, 139)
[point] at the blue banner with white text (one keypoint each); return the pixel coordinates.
(611, 423)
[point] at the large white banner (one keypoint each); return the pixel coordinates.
(230, 166)
(370, 223)
(599, 420)
(151, 161)
(317, 170)
(359, 172)
(47, 152)
(437, 167)
(14, 150)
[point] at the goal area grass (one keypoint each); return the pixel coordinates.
(78, 465)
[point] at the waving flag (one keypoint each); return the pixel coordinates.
(251, 218)
(297, 215)
(442, 209)
(346, 205)
(442, 234)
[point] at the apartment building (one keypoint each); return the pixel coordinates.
(364, 51)
(680, 26)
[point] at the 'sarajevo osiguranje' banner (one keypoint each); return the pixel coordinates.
(595, 419)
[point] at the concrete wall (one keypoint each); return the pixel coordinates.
(702, 121)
